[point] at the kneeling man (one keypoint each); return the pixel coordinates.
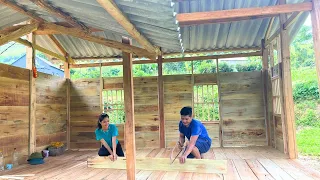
(194, 130)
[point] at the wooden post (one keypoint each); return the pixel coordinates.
(67, 78)
(129, 111)
(101, 90)
(31, 56)
(265, 89)
(161, 103)
(287, 88)
(220, 114)
(315, 17)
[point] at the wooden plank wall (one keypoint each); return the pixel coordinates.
(177, 93)
(242, 109)
(242, 103)
(84, 113)
(146, 112)
(51, 110)
(14, 111)
(145, 107)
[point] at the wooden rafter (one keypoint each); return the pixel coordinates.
(288, 22)
(82, 34)
(169, 60)
(61, 49)
(111, 7)
(56, 12)
(269, 28)
(223, 16)
(39, 48)
(110, 43)
(22, 31)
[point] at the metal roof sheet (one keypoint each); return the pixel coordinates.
(155, 19)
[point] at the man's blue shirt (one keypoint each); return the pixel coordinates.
(194, 128)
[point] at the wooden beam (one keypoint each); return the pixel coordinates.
(223, 16)
(111, 7)
(208, 166)
(287, 88)
(175, 54)
(265, 90)
(213, 51)
(61, 49)
(315, 17)
(39, 48)
(81, 34)
(291, 19)
(24, 30)
(169, 60)
(110, 43)
(220, 106)
(21, 10)
(213, 57)
(58, 13)
(32, 96)
(269, 28)
(129, 112)
(287, 24)
(161, 104)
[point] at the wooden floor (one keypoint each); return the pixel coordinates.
(243, 163)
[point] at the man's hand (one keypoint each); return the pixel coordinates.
(180, 146)
(111, 157)
(182, 159)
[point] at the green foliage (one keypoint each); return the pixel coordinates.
(301, 50)
(308, 141)
(306, 90)
(306, 113)
(224, 67)
(252, 66)
(204, 67)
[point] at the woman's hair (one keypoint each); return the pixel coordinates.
(101, 118)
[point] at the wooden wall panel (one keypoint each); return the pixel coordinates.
(279, 134)
(242, 109)
(84, 113)
(145, 108)
(51, 110)
(177, 94)
(14, 111)
(146, 112)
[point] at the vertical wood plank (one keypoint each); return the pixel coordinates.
(161, 103)
(101, 89)
(315, 18)
(287, 88)
(32, 106)
(219, 101)
(129, 112)
(284, 133)
(265, 89)
(68, 114)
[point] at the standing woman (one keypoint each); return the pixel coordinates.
(107, 134)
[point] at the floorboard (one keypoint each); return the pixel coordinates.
(243, 163)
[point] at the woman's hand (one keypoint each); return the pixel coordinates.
(115, 156)
(111, 157)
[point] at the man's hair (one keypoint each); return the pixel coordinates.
(186, 111)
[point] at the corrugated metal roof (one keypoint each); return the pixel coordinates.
(242, 34)
(155, 19)
(9, 17)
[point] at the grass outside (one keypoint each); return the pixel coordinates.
(308, 141)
